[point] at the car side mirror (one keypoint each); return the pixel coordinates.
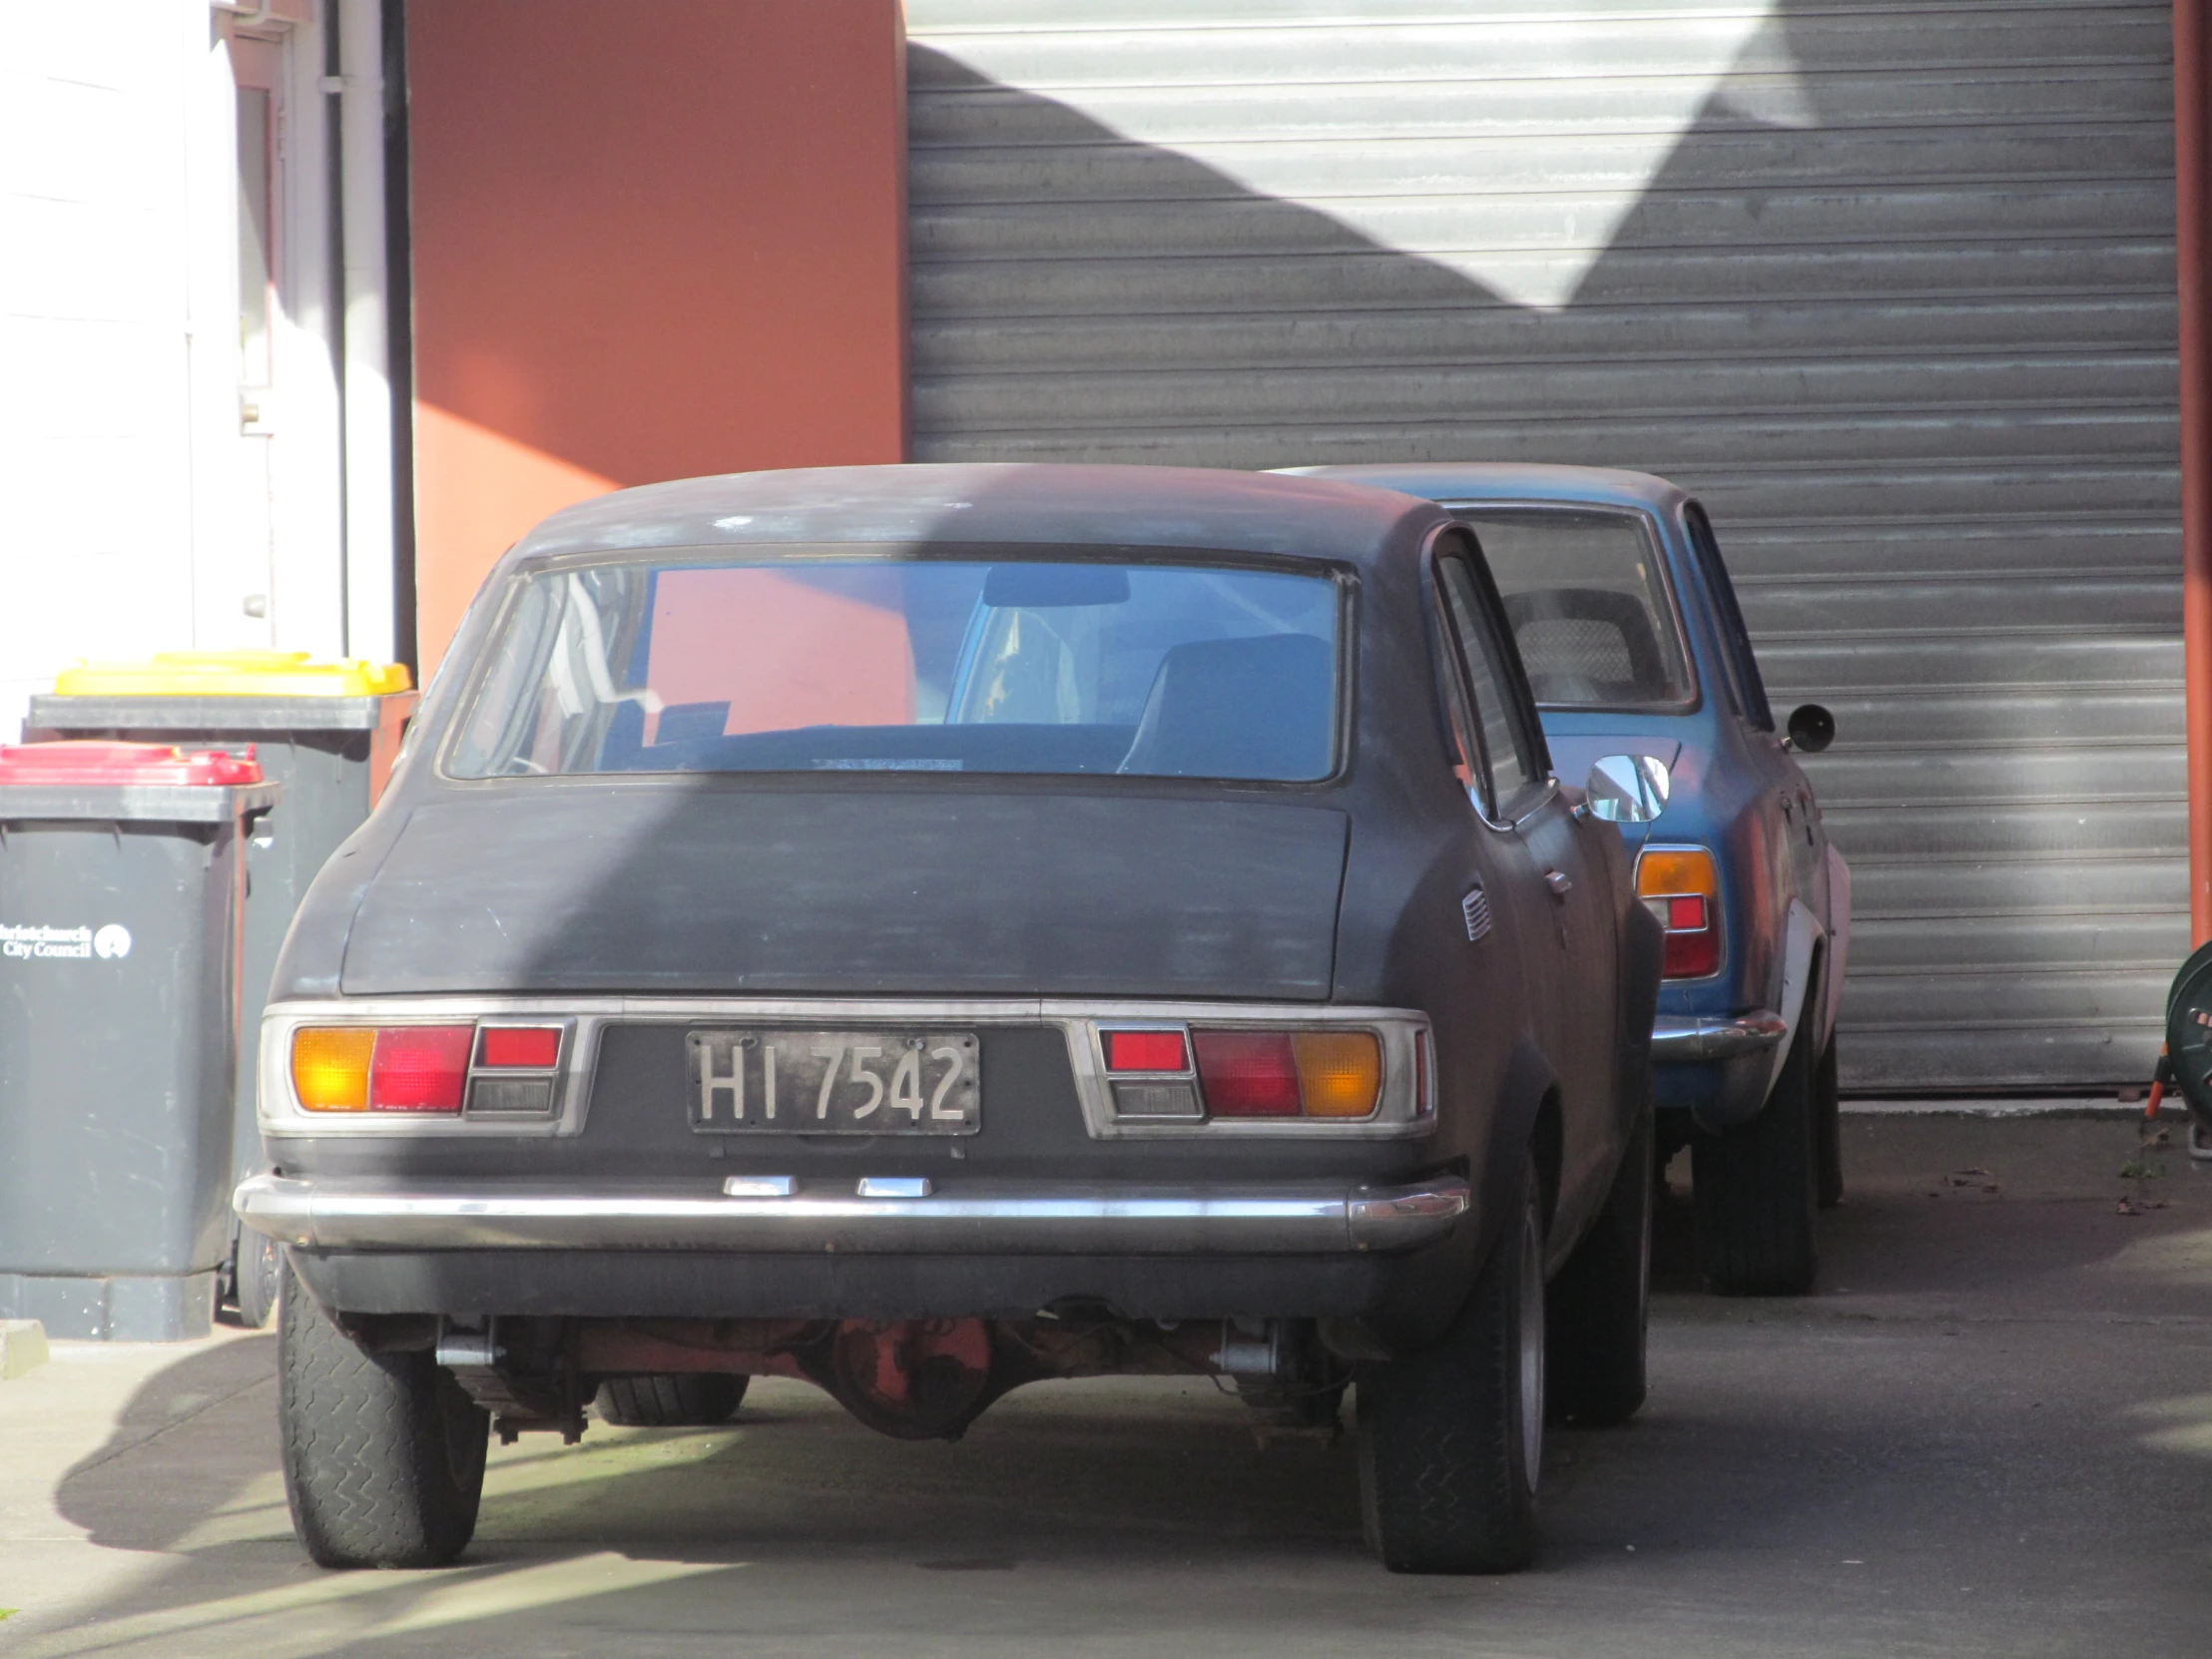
(1628, 788)
(1812, 728)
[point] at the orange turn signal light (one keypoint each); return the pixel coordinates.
(330, 1066)
(1677, 870)
(1339, 1073)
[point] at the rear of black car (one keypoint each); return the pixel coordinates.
(911, 965)
(832, 936)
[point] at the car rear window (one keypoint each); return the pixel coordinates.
(859, 664)
(1586, 595)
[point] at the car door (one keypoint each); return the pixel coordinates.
(1567, 934)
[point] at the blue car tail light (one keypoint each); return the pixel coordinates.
(1681, 886)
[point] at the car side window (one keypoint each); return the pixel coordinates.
(1466, 750)
(1515, 763)
(1743, 667)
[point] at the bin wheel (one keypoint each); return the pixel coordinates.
(384, 1453)
(673, 1399)
(1451, 1436)
(1598, 1310)
(1757, 1188)
(259, 1270)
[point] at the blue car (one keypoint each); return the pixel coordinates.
(1650, 700)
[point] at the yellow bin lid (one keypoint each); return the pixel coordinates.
(233, 674)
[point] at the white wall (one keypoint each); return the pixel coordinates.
(129, 514)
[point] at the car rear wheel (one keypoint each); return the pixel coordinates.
(384, 1453)
(673, 1399)
(1452, 1438)
(1757, 1189)
(1597, 1311)
(256, 1273)
(1828, 1125)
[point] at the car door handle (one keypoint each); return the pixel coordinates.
(1558, 883)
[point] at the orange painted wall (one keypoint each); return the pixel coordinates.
(651, 238)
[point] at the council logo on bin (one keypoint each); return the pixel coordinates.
(112, 940)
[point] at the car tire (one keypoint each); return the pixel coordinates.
(384, 1453)
(256, 1277)
(1757, 1189)
(1452, 1438)
(1597, 1312)
(671, 1400)
(1828, 1125)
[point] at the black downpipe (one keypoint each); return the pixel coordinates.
(399, 335)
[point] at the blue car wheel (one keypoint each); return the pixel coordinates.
(1757, 1188)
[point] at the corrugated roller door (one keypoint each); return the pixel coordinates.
(1890, 285)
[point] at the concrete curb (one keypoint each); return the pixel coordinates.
(21, 1347)
(1967, 1106)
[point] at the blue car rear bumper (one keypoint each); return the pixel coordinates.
(1717, 1069)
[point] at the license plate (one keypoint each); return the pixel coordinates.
(834, 1082)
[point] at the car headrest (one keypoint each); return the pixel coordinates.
(1253, 707)
(1586, 644)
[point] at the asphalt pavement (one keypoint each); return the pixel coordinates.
(1988, 1433)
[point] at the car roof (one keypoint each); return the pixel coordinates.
(1510, 481)
(1037, 503)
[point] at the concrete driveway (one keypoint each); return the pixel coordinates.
(1991, 1433)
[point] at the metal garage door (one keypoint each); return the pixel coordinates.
(1890, 284)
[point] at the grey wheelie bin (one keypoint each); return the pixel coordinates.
(327, 732)
(121, 895)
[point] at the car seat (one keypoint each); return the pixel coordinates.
(1588, 644)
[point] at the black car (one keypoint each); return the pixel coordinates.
(927, 930)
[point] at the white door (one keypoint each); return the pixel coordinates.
(268, 554)
(258, 69)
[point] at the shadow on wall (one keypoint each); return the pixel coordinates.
(1897, 304)
(1081, 295)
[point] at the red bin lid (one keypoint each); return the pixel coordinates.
(143, 764)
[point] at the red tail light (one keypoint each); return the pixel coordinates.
(535, 1047)
(419, 1068)
(1145, 1051)
(1248, 1074)
(1691, 955)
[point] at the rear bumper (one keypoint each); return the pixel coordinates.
(1716, 1068)
(361, 1215)
(1678, 1039)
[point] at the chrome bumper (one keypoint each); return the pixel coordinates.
(1675, 1039)
(973, 1219)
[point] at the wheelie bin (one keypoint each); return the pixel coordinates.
(2185, 1065)
(327, 731)
(122, 896)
